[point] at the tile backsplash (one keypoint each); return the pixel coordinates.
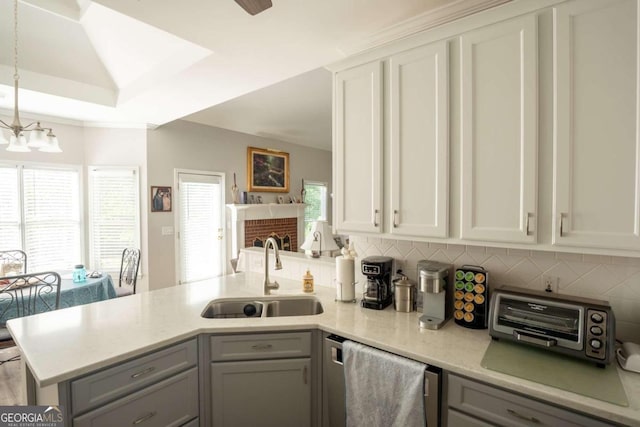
(614, 279)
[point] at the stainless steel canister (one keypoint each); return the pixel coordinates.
(404, 299)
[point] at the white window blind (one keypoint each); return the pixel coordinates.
(51, 214)
(200, 207)
(9, 209)
(114, 212)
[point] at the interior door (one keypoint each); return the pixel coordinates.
(200, 218)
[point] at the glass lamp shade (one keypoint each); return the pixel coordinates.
(52, 146)
(38, 139)
(18, 145)
(3, 140)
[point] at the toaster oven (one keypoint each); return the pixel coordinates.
(575, 326)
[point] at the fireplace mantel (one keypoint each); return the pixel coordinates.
(238, 214)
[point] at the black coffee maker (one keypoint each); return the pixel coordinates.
(377, 290)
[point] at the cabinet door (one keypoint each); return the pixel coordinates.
(358, 149)
(596, 145)
(499, 110)
(420, 142)
(267, 393)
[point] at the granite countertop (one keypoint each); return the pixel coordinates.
(64, 344)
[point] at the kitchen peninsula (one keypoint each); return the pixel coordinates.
(68, 344)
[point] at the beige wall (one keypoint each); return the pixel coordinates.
(123, 147)
(185, 145)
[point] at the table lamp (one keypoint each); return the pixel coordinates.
(319, 239)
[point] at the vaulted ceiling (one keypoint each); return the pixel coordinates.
(150, 62)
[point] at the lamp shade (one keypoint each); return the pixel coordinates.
(38, 139)
(18, 145)
(52, 146)
(319, 239)
(3, 140)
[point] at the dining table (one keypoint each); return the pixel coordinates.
(93, 289)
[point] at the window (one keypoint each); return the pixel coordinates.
(114, 212)
(315, 197)
(41, 214)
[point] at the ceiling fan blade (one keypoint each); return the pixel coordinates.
(253, 7)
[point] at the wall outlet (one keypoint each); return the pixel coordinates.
(550, 283)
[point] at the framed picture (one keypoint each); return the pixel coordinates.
(160, 199)
(267, 170)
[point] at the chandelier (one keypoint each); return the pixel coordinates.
(42, 138)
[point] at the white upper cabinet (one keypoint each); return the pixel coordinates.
(499, 134)
(358, 149)
(419, 138)
(596, 200)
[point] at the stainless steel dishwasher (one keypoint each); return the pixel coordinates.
(333, 390)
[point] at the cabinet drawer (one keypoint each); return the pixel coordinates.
(505, 408)
(171, 402)
(113, 383)
(260, 346)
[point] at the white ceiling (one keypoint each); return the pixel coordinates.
(208, 61)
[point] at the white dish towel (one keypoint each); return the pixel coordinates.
(382, 389)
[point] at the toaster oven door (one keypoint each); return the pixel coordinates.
(538, 321)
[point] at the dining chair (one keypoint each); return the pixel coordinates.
(13, 262)
(128, 272)
(24, 295)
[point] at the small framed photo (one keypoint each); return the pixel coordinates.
(160, 199)
(267, 170)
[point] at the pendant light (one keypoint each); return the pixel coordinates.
(42, 139)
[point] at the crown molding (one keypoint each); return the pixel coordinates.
(425, 21)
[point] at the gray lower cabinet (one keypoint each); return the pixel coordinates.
(261, 379)
(471, 403)
(157, 389)
(265, 392)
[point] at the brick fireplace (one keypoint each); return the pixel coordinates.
(251, 225)
(283, 230)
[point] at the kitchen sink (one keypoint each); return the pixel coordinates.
(233, 309)
(294, 307)
(238, 308)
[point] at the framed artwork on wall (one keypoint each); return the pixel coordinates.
(267, 170)
(160, 199)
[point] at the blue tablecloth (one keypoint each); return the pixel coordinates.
(92, 290)
(98, 289)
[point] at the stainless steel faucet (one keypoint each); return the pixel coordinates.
(268, 286)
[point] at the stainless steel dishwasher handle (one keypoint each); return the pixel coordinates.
(336, 356)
